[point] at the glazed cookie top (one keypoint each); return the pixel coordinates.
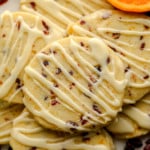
(22, 35)
(8, 112)
(62, 12)
(79, 77)
(30, 134)
(128, 36)
(133, 121)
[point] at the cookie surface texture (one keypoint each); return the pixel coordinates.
(128, 35)
(22, 35)
(62, 12)
(8, 112)
(133, 121)
(30, 135)
(73, 84)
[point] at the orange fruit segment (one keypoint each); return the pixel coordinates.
(131, 5)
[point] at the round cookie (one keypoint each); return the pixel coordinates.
(62, 12)
(22, 35)
(73, 84)
(128, 36)
(8, 113)
(133, 121)
(27, 135)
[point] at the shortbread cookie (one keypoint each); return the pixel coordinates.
(63, 12)
(74, 84)
(22, 35)
(133, 121)
(27, 135)
(128, 35)
(8, 113)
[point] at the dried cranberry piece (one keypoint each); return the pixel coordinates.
(147, 147)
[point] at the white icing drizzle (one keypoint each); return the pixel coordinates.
(135, 113)
(121, 125)
(66, 12)
(104, 30)
(67, 97)
(41, 138)
(22, 53)
(133, 118)
(7, 114)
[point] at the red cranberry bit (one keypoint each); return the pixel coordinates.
(116, 35)
(4, 35)
(46, 31)
(90, 87)
(83, 121)
(54, 102)
(3, 1)
(141, 37)
(18, 24)
(82, 22)
(46, 63)
(108, 60)
(45, 25)
(86, 95)
(142, 46)
(146, 27)
(45, 98)
(56, 85)
(33, 5)
(44, 75)
(98, 67)
(127, 69)
(72, 85)
(92, 79)
(114, 49)
(19, 84)
(54, 52)
(6, 119)
(82, 44)
(18, 81)
(146, 77)
(71, 73)
(95, 108)
(58, 71)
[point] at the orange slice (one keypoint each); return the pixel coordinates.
(131, 5)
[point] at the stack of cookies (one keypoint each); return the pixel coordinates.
(73, 74)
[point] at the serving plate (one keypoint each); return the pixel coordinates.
(13, 5)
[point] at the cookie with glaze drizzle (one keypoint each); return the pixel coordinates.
(61, 13)
(31, 136)
(73, 85)
(8, 112)
(133, 121)
(22, 35)
(128, 36)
